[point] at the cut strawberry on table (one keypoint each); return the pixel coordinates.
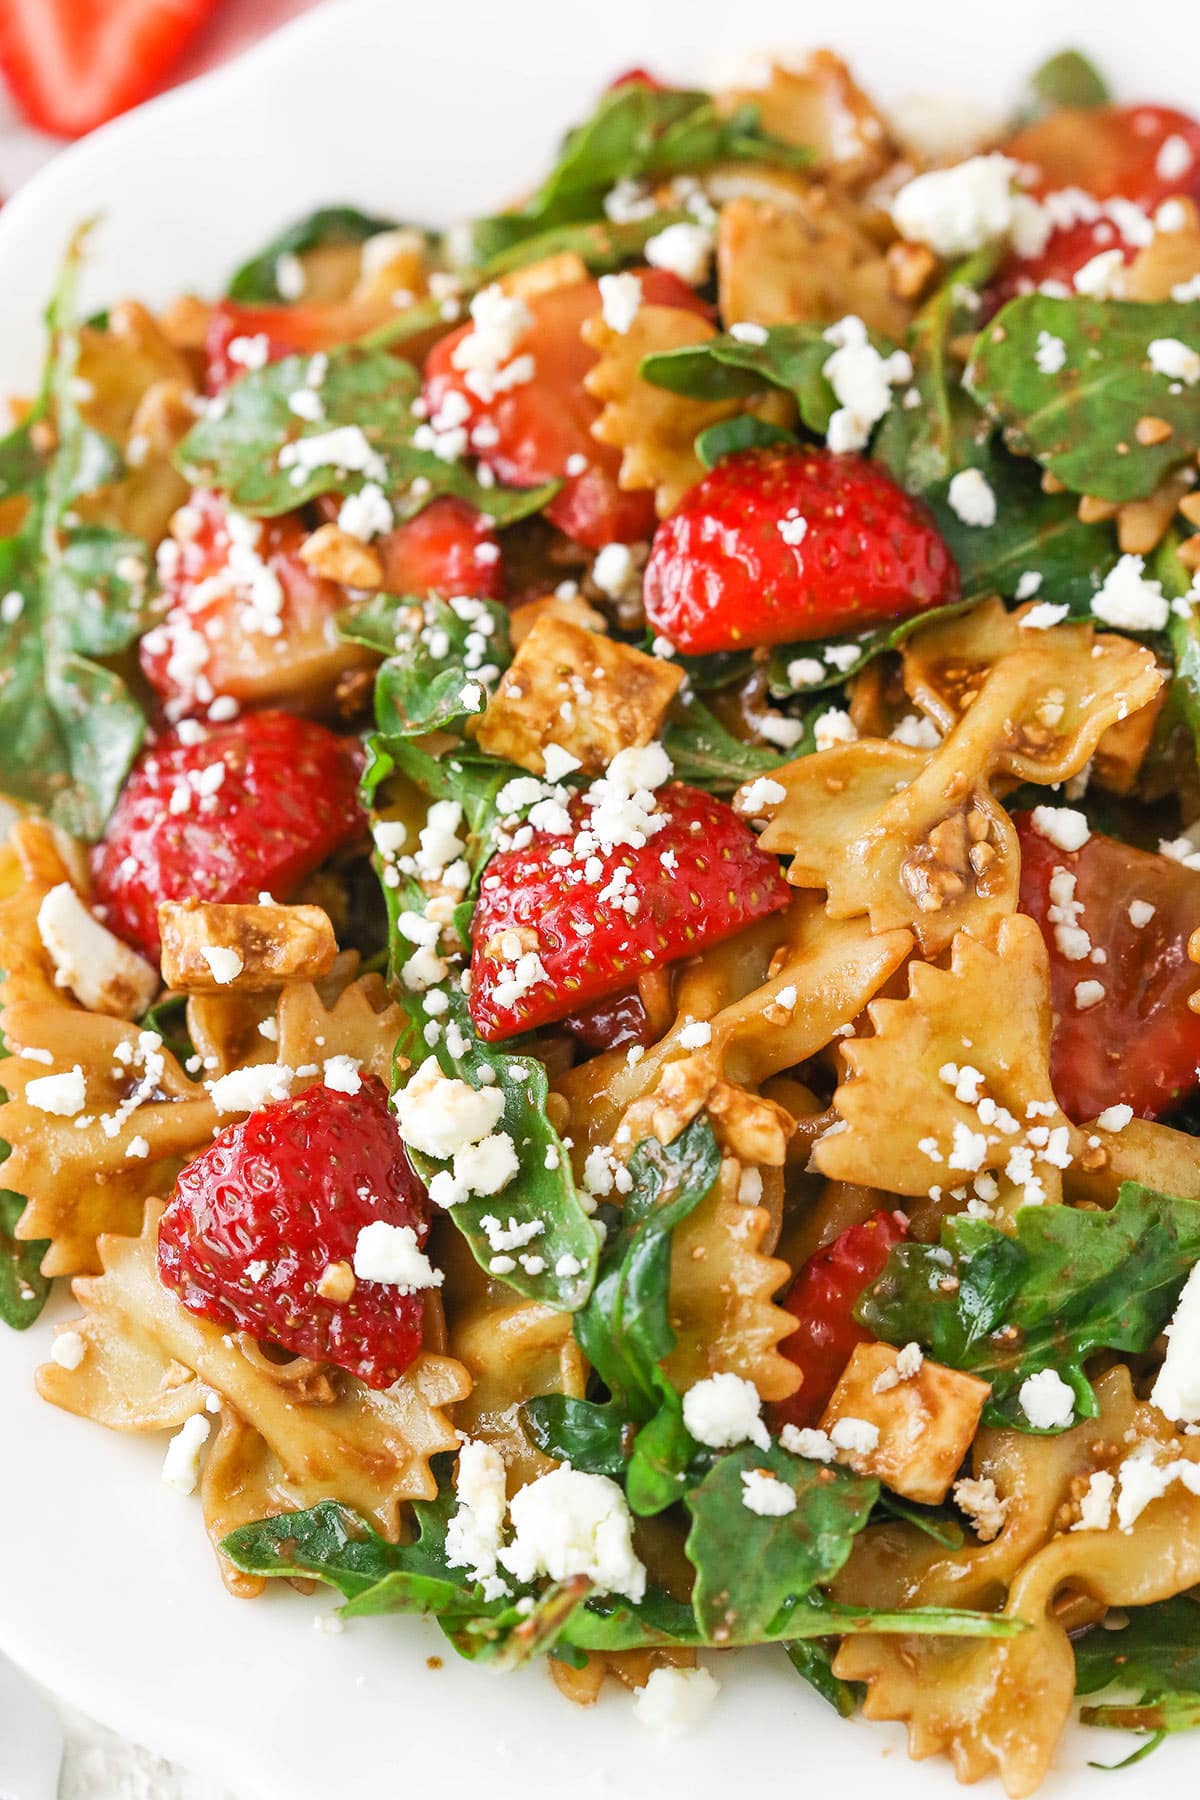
(777, 546)
(551, 937)
(1124, 1033)
(823, 1297)
(72, 64)
(540, 429)
(261, 1231)
(247, 619)
(246, 807)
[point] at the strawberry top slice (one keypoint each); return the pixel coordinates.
(225, 812)
(562, 923)
(778, 546)
(260, 1218)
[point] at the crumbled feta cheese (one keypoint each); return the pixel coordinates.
(862, 381)
(830, 729)
(857, 1437)
(1065, 828)
(1028, 585)
(674, 1701)
(764, 1494)
(341, 1073)
(567, 1523)
(758, 797)
(916, 732)
(1175, 158)
(805, 671)
(1144, 1479)
(968, 1149)
(1114, 1118)
(62, 1095)
(68, 1349)
(1088, 994)
(181, 1465)
(1102, 277)
(226, 964)
(1046, 1400)
(1130, 599)
(1174, 359)
(612, 570)
(344, 447)
(1096, 1503)
(391, 1254)
(475, 1532)
(696, 1035)
(104, 974)
(1176, 1391)
(1043, 616)
(439, 1114)
(972, 498)
(137, 1149)
(958, 210)
(248, 1090)
(685, 249)
(906, 1367)
(982, 1505)
(620, 300)
(367, 514)
(724, 1410)
(1051, 353)
(1140, 913)
(807, 1441)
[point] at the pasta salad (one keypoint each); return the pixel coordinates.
(601, 918)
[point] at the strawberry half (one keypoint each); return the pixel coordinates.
(597, 922)
(274, 1203)
(777, 546)
(235, 810)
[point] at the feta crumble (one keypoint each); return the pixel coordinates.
(390, 1254)
(724, 1410)
(568, 1523)
(1046, 1400)
(674, 1701)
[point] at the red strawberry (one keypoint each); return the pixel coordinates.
(258, 1218)
(823, 1297)
(774, 546)
(605, 918)
(448, 549)
(237, 809)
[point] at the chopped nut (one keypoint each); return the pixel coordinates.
(1150, 430)
(751, 1127)
(925, 1424)
(584, 692)
(333, 553)
(1094, 511)
(565, 269)
(911, 268)
(271, 945)
(337, 1283)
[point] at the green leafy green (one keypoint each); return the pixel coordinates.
(247, 446)
(69, 728)
(793, 357)
(591, 1435)
(1156, 1656)
(752, 1569)
(708, 756)
(813, 1659)
(729, 437)
(1183, 702)
(24, 1290)
(1066, 79)
(867, 646)
(637, 133)
(602, 244)
(435, 650)
(1064, 1284)
(257, 281)
(1080, 421)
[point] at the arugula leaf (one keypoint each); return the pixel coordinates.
(433, 652)
(69, 728)
(1080, 422)
(625, 1330)
(724, 368)
(1065, 1284)
(24, 1290)
(752, 1569)
(928, 443)
(637, 133)
(708, 756)
(867, 646)
(1067, 79)
(257, 280)
(1159, 1650)
(247, 446)
(728, 437)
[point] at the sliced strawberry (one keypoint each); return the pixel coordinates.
(448, 549)
(534, 430)
(260, 1217)
(247, 620)
(823, 1297)
(598, 922)
(235, 810)
(1138, 154)
(775, 546)
(264, 334)
(72, 64)
(1139, 1044)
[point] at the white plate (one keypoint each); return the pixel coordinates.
(107, 1587)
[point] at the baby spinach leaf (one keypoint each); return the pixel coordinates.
(1159, 1651)
(257, 281)
(251, 445)
(935, 1521)
(24, 1290)
(867, 646)
(610, 1622)
(435, 650)
(637, 133)
(793, 357)
(1183, 700)
(708, 756)
(601, 243)
(813, 1659)
(591, 1435)
(1064, 1284)
(1080, 421)
(743, 432)
(752, 1569)
(625, 1330)
(1067, 79)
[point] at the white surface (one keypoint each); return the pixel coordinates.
(107, 1587)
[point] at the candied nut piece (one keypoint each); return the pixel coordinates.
(926, 1421)
(207, 947)
(586, 693)
(335, 554)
